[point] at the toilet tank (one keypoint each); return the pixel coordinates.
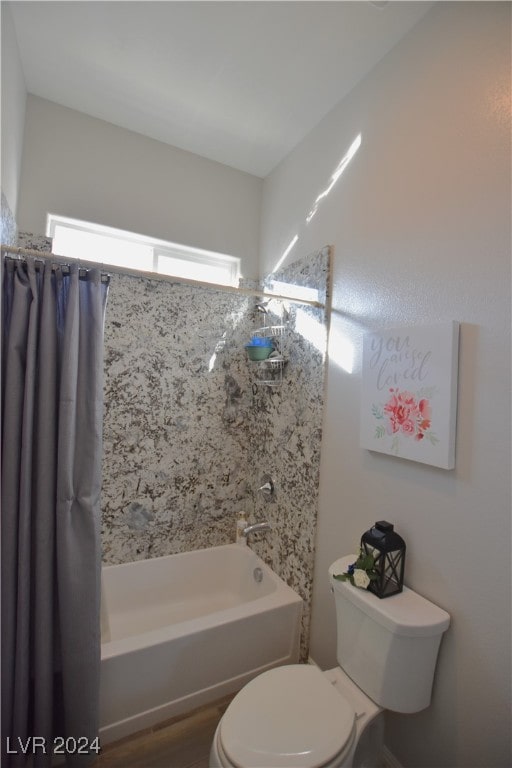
(389, 646)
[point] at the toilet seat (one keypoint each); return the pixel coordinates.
(288, 716)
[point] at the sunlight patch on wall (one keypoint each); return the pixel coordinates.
(285, 254)
(311, 329)
(218, 348)
(294, 291)
(341, 350)
(232, 320)
(336, 175)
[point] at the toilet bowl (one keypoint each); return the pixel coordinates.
(299, 717)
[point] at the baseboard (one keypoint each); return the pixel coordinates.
(389, 760)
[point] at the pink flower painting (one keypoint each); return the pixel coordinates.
(409, 392)
(405, 414)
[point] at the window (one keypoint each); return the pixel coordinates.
(115, 247)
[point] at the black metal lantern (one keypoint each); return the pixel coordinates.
(388, 551)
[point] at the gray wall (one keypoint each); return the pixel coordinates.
(420, 222)
(85, 168)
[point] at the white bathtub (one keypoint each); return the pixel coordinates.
(183, 630)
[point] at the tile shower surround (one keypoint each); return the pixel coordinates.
(188, 432)
(7, 222)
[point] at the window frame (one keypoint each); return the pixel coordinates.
(161, 249)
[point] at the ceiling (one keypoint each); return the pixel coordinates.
(238, 82)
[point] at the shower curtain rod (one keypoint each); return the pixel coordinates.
(157, 276)
(64, 263)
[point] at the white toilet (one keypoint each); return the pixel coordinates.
(297, 716)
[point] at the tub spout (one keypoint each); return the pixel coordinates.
(256, 528)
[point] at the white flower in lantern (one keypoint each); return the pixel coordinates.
(361, 578)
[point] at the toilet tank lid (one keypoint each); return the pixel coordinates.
(405, 613)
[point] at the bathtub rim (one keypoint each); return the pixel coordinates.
(282, 595)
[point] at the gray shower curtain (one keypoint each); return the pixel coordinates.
(52, 372)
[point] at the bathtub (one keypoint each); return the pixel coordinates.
(183, 630)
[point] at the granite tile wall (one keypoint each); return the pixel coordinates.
(175, 421)
(7, 222)
(286, 433)
(190, 429)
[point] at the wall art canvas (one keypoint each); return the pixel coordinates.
(409, 393)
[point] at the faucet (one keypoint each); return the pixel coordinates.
(256, 528)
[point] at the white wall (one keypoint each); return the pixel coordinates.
(79, 166)
(14, 97)
(420, 224)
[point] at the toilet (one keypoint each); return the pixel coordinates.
(297, 716)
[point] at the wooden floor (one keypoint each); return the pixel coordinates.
(183, 742)
(179, 743)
